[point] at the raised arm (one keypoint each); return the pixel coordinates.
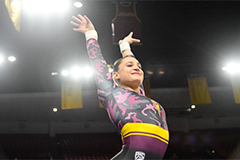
(125, 44)
(125, 49)
(102, 76)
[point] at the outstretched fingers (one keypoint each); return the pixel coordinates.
(82, 23)
(76, 19)
(74, 23)
(135, 40)
(131, 40)
(82, 19)
(87, 19)
(130, 34)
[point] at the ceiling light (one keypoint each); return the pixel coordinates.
(232, 68)
(12, 58)
(55, 109)
(78, 4)
(54, 73)
(193, 106)
(65, 72)
(76, 72)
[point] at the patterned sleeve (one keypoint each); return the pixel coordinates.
(103, 78)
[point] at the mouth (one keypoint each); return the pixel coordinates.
(136, 73)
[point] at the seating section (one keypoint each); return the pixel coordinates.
(24, 146)
(204, 144)
(225, 142)
(199, 144)
(99, 146)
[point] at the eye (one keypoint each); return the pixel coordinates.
(140, 67)
(129, 65)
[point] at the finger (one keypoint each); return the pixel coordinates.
(87, 19)
(77, 19)
(81, 17)
(135, 39)
(130, 34)
(75, 24)
(75, 29)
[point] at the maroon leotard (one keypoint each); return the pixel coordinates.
(140, 120)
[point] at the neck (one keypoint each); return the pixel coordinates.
(137, 90)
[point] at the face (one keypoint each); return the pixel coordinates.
(129, 72)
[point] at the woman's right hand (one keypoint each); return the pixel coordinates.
(82, 23)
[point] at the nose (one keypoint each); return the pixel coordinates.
(136, 68)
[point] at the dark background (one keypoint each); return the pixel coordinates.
(180, 38)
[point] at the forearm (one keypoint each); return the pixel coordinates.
(102, 76)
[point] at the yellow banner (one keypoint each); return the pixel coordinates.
(236, 88)
(14, 10)
(71, 95)
(198, 89)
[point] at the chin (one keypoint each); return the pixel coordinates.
(137, 82)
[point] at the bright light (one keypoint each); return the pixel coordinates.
(55, 109)
(87, 72)
(29, 6)
(45, 6)
(61, 5)
(76, 72)
(16, 4)
(1, 59)
(193, 106)
(12, 58)
(232, 68)
(54, 73)
(78, 4)
(65, 72)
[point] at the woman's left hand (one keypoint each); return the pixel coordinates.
(131, 40)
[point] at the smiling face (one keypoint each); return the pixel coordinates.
(129, 73)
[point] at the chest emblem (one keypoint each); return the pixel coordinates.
(139, 155)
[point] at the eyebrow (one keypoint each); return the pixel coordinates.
(132, 62)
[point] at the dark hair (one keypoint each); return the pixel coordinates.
(116, 64)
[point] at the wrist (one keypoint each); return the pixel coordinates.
(91, 34)
(124, 45)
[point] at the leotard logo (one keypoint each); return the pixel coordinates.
(139, 155)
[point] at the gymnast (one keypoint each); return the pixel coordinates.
(140, 120)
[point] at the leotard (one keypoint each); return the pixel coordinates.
(140, 120)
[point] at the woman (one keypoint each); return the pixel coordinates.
(140, 120)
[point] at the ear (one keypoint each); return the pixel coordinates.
(115, 76)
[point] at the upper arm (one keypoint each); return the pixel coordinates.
(103, 77)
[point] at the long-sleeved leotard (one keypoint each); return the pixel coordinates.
(141, 121)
